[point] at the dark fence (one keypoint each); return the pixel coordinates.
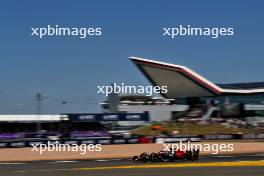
(133, 140)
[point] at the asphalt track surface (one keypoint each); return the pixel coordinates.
(246, 165)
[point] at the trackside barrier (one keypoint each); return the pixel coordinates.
(134, 140)
(104, 141)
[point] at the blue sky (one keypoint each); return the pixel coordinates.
(67, 68)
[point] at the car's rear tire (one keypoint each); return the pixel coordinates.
(192, 155)
(195, 156)
(154, 157)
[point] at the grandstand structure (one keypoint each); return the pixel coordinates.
(205, 98)
(183, 82)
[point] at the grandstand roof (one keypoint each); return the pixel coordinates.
(182, 82)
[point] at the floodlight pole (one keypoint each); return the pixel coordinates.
(39, 99)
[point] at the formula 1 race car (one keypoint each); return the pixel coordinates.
(164, 156)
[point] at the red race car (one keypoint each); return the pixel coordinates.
(164, 156)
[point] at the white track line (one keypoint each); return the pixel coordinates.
(101, 160)
(117, 159)
(63, 161)
(225, 156)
